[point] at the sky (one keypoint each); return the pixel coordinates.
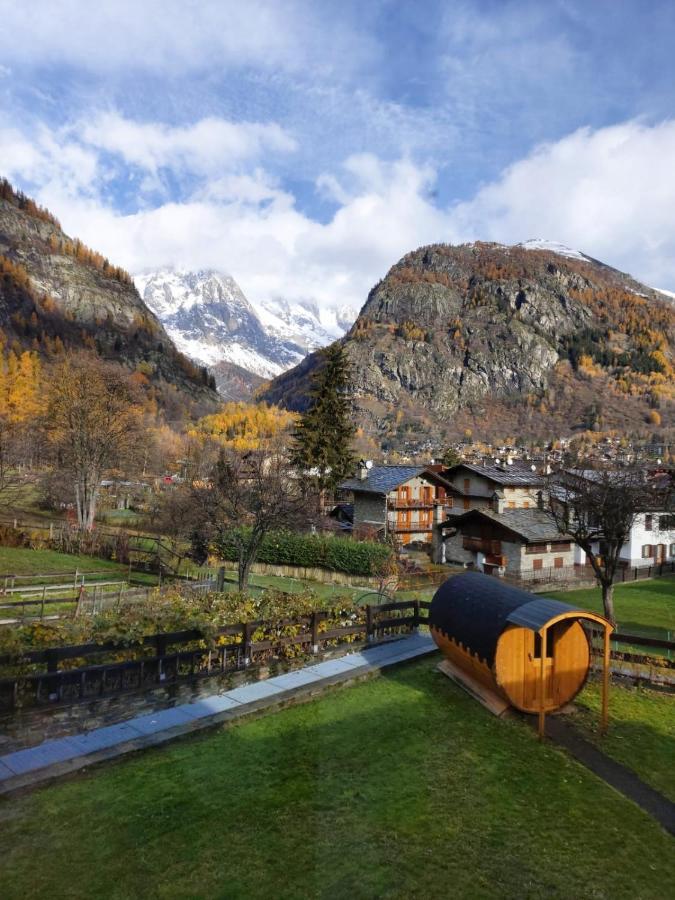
(304, 147)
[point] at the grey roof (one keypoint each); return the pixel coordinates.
(532, 524)
(382, 479)
(537, 613)
(508, 475)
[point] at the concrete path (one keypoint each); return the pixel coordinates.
(51, 759)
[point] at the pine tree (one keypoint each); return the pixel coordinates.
(323, 437)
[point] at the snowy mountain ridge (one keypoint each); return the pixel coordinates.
(211, 320)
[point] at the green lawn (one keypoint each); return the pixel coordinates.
(643, 607)
(23, 561)
(402, 786)
(327, 593)
(641, 733)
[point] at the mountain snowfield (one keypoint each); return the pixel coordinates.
(210, 319)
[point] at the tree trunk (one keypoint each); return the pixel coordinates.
(608, 602)
(244, 572)
(247, 556)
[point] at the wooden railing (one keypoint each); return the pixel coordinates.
(88, 671)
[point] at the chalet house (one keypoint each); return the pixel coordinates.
(651, 540)
(652, 537)
(514, 486)
(404, 501)
(519, 542)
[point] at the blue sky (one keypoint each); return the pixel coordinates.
(305, 146)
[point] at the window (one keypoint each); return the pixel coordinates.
(560, 545)
(537, 645)
(512, 504)
(537, 563)
(648, 522)
(666, 522)
(646, 551)
(526, 504)
(558, 562)
(467, 485)
(536, 548)
(672, 549)
(467, 503)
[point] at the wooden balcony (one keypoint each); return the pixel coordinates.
(413, 503)
(483, 545)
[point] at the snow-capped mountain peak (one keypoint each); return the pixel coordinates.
(211, 320)
(553, 247)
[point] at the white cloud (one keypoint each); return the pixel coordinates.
(609, 192)
(202, 148)
(173, 36)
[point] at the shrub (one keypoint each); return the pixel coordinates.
(287, 548)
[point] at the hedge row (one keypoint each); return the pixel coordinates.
(285, 548)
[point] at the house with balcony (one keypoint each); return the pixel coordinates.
(483, 486)
(523, 543)
(403, 501)
(651, 540)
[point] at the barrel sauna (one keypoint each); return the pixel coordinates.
(511, 641)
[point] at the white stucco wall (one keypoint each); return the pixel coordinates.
(631, 552)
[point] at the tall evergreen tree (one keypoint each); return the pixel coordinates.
(324, 434)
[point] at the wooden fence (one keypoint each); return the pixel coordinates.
(551, 575)
(80, 599)
(88, 671)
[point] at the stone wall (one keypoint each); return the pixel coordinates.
(305, 573)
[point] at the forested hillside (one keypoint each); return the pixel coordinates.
(58, 295)
(500, 341)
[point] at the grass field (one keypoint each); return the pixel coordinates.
(641, 733)
(402, 786)
(23, 561)
(643, 607)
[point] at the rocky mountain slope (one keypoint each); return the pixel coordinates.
(210, 319)
(55, 292)
(532, 340)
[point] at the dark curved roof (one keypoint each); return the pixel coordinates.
(474, 609)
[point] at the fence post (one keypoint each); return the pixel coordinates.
(248, 633)
(635, 574)
(52, 667)
(315, 632)
(416, 607)
(160, 643)
(42, 605)
(220, 579)
(370, 633)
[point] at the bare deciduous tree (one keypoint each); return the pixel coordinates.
(598, 509)
(94, 424)
(250, 495)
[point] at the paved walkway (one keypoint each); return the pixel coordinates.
(51, 759)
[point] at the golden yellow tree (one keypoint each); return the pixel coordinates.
(94, 424)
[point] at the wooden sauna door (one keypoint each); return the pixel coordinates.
(532, 682)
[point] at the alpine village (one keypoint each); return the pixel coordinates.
(366, 603)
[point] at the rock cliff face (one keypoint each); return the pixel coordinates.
(73, 294)
(485, 336)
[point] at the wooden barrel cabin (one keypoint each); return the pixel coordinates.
(530, 651)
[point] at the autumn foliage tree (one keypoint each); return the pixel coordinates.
(597, 509)
(251, 494)
(94, 425)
